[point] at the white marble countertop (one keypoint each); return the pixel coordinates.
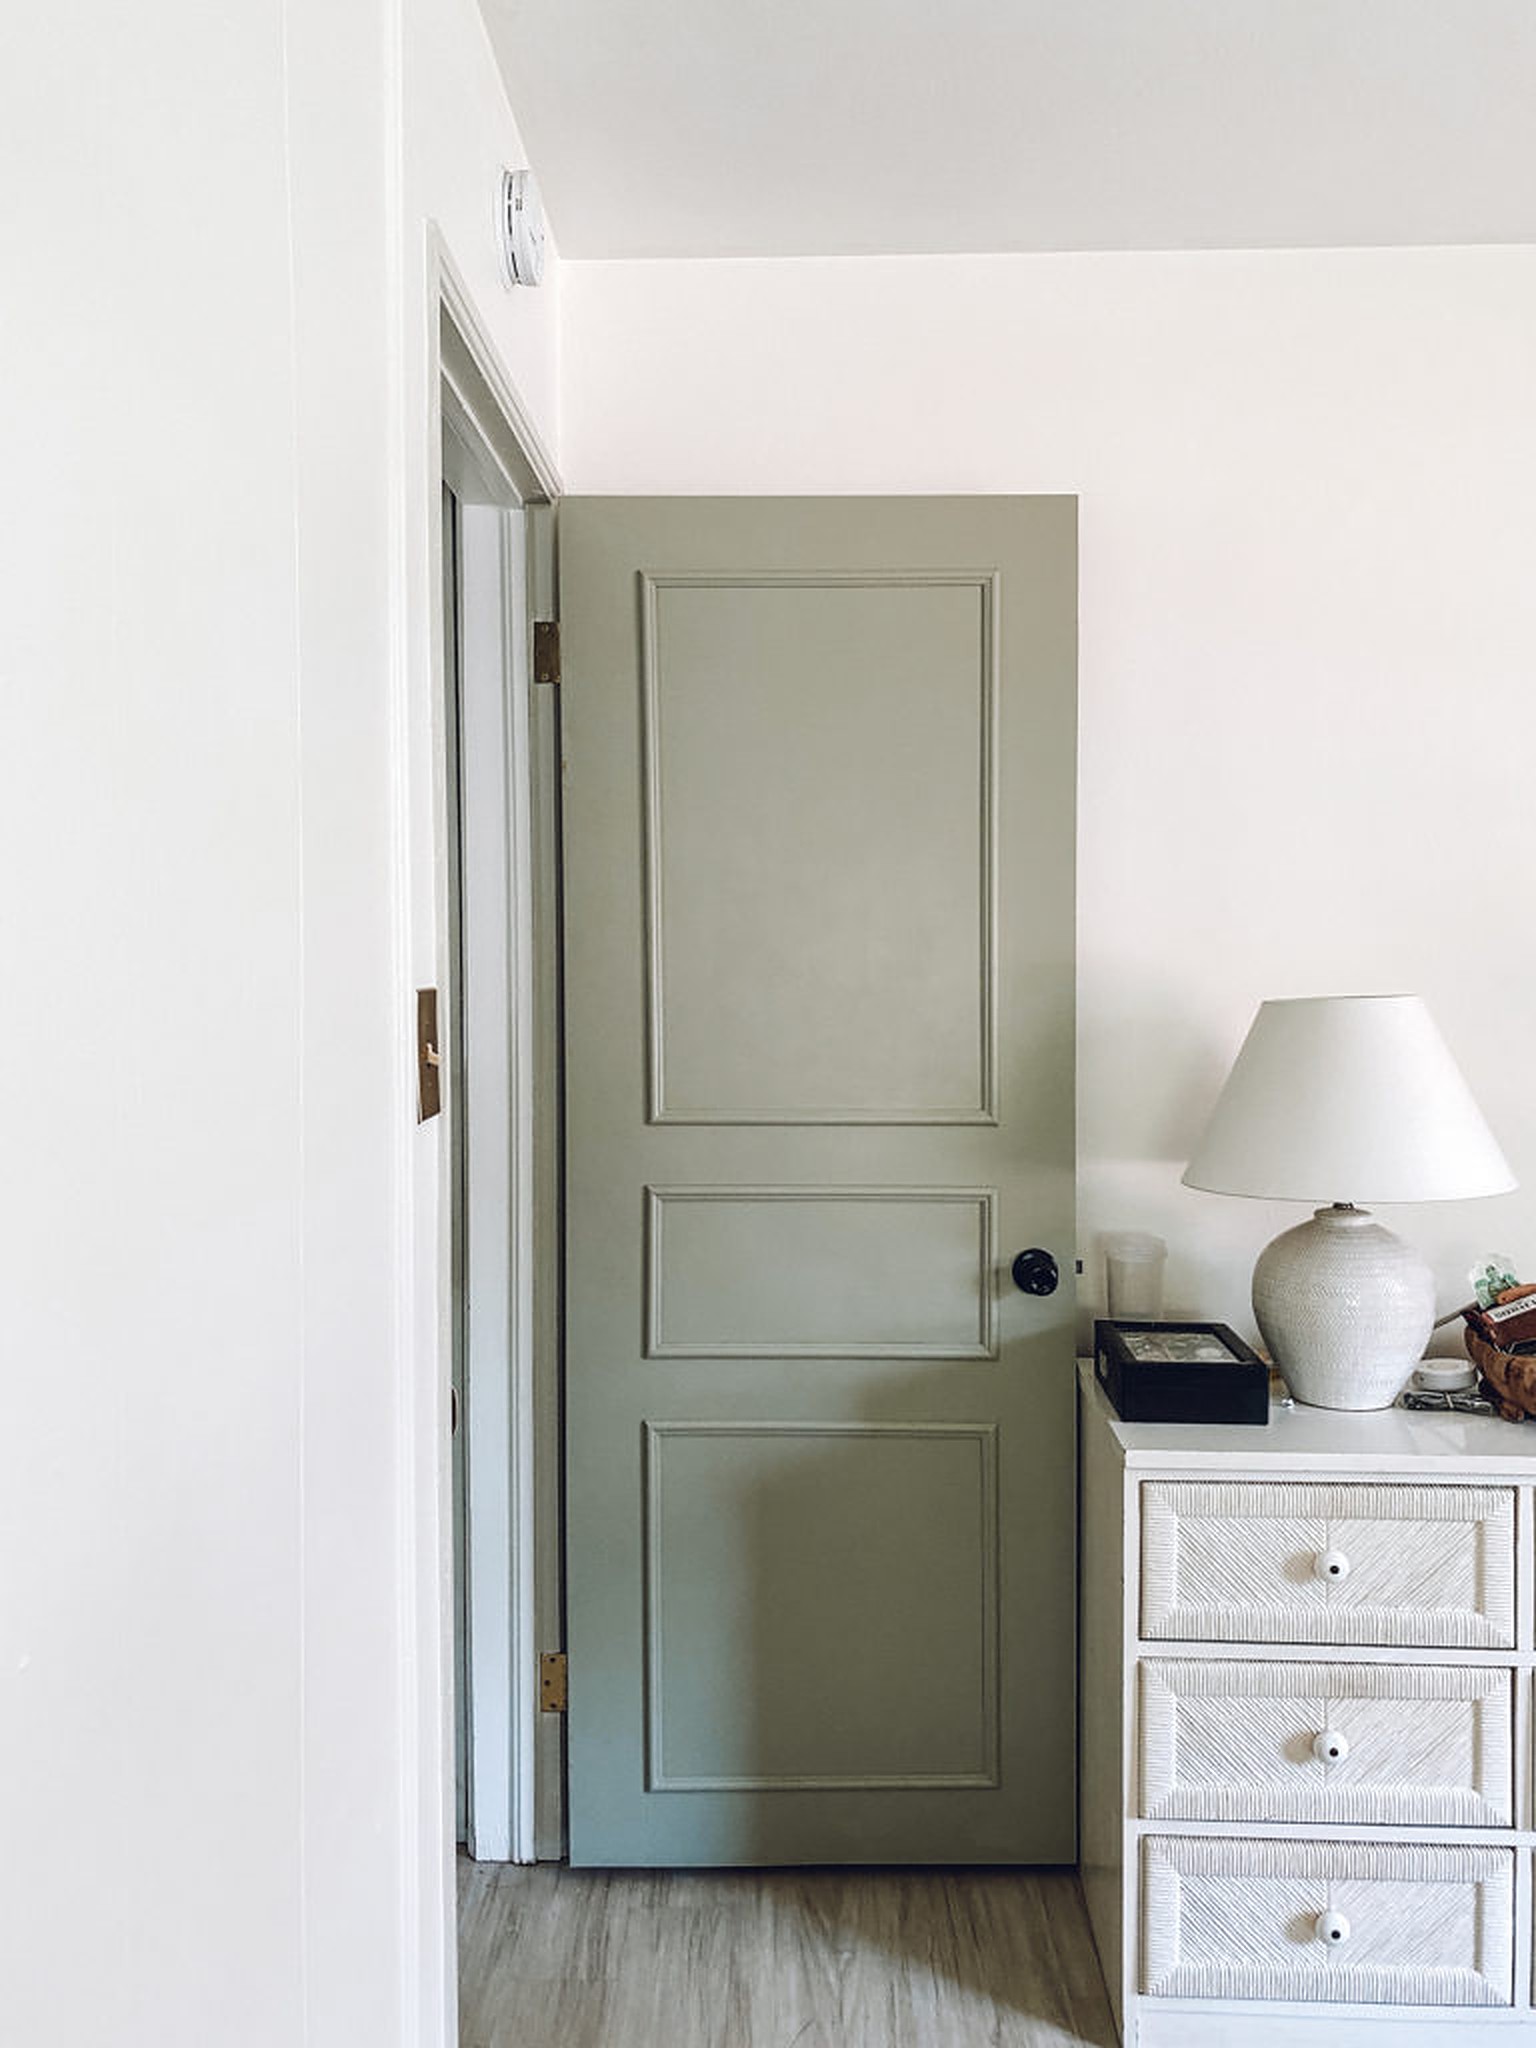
(1326, 1440)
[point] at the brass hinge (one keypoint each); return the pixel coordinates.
(429, 1060)
(552, 1682)
(546, 650)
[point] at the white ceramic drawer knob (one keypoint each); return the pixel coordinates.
(1332, 1929)
(1331, 1565)
(1330, 1747)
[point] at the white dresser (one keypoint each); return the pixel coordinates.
(1307, 1667)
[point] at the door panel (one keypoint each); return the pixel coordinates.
(819, 833)
(854, 740)
(819, 1273)
(742, 1520)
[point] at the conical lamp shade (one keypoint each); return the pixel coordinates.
(1347, 1099)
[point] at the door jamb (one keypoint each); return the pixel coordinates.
(468, 388)
(488, 1046)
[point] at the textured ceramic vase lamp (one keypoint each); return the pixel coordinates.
(1346, 1099)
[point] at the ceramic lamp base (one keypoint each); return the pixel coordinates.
(1345, 1309)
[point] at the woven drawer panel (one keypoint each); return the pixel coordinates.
(1424, 1746)
(1424, 1566)
(1427, 1925)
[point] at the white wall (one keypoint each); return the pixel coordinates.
(220, 1408)
(1308, 529)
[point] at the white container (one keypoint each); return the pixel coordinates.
(1446, 1376)
(1133, 1267)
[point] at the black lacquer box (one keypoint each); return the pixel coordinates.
(1180, 1372)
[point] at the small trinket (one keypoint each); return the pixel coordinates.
(1493, 1275)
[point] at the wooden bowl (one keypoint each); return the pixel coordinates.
(1511, 1377)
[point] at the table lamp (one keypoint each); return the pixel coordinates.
(1339, 1100)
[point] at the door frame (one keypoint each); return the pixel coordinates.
(511, 1561)
(487, 1041)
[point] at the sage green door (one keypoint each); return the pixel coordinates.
(819, 949)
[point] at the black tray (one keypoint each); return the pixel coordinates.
(1180, 1372)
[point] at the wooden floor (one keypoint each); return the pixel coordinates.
(556, 1958)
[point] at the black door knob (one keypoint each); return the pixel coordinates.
(1034, 1272)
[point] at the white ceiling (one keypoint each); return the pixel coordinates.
(837, 127)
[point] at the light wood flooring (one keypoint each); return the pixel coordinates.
(558, 1958)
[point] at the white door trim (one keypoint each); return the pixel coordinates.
(493, 477)
(459, 366)
(467, 361)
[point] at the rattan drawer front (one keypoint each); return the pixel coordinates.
(1373, 1922)
(1427, 1567)
(1364, 1744)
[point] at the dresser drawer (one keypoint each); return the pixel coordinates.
(1377, 1923)
(1365, 1744)
(1421, 1566)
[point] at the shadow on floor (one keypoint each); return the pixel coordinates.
(776, 1959)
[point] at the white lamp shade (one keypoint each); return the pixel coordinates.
(1347, 1099)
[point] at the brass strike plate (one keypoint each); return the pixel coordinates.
(429, 1086)
(552, 1682)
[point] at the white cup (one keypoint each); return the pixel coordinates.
(1133, 1266)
